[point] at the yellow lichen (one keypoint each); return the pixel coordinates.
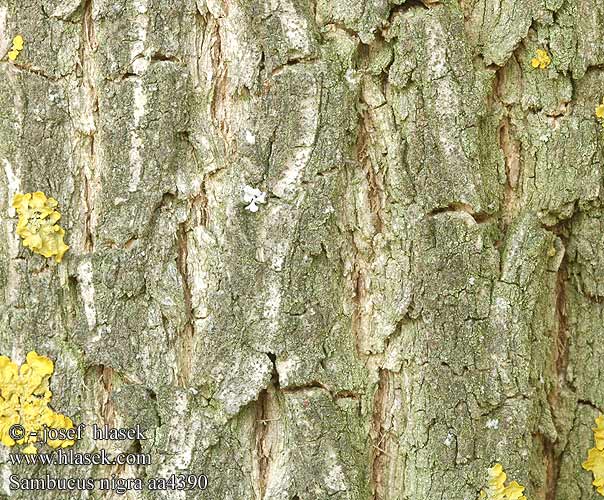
(542, 60)
(595, 456)
(496, 489)
(16, 48)
(600, 112)
(38, 226)
(24, 400)
(18, 42)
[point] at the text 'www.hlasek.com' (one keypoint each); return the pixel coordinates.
(182, 481)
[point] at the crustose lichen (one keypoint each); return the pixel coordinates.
(496, 489)
(600, 112)
(16, 48)
(38, 226)
(24, 400)
(542, 60)
(595, 456)
(253, 196)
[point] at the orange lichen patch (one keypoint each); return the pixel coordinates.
(38, 226)
(16, 48)
(595, 456)
(496, 489)
(542, 60)
(24, 400)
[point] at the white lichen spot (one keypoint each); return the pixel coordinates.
(253, 196)
(492, 423)
(352, 77)
(141, 7)
(472, 280)
(335, 479)
(136, 142)
(329, 209)
(249, 137)
(449, 439)
(87, 291)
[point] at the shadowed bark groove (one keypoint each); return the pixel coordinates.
(382, 439)
(263, 447)
(88, 44)
(184, 338)
(107, 407)
(553, 450)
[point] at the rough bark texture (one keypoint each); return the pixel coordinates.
(422, 294)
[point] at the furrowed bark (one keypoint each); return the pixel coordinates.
(418, 298)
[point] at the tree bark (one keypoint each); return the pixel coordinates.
(419, 297)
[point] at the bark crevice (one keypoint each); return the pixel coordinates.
(88, 45)
(185, 339)
(551, 449)
(267, 432)
(380, 435)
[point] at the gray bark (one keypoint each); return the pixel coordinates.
(421, 295)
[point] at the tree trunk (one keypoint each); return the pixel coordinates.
(418, 296)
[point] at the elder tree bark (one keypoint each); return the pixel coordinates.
(420, 296)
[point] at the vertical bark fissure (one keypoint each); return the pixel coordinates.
(379, 436)
(362, 261)
(359, 295)
(375, 188)
(220, 89)
(107, 408)
(453, 120)
(510, 148)
(87, 45)
(265, 430)
(553, 455)
(185, 339)
(357, 280)
(366, 229)
(88, 237)
(511, 155)
(261, 432)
